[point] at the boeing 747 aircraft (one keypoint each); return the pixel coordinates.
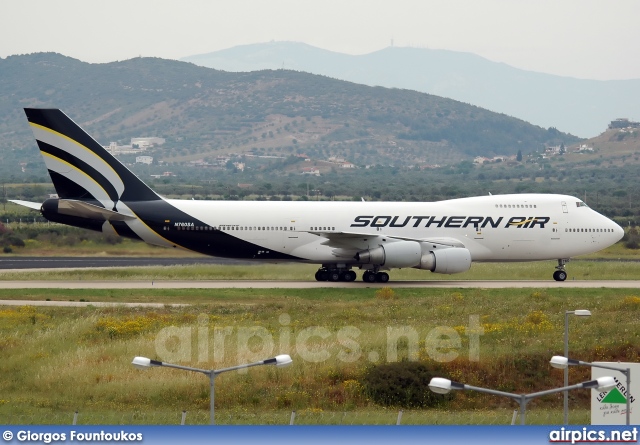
(97, 192)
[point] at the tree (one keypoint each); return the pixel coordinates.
(519, 156)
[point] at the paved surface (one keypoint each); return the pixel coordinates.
(81, 304)
(21, 263)
(264, 284)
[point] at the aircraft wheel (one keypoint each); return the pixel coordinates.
(382, 277)
(369, 277)
(349, 275)
(322, 275)
(560, 275)
(334, 275)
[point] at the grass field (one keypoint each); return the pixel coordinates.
(59, 360)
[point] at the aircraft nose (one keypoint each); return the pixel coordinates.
(618, 231)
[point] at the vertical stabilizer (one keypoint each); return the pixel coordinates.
(80, 167)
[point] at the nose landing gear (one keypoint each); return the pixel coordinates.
(560, 274)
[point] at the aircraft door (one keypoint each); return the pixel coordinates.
(564, 207)
(290, 234)
(476, 232)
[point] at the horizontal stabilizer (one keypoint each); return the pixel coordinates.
(82, 209)
(31, 205)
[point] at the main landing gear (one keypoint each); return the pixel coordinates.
(371, 276)
(325, 274)
(333, 274)
(560, 274)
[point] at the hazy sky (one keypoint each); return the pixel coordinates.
(592, 39)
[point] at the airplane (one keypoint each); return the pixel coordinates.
(97, 192)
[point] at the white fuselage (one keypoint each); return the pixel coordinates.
(521, 227)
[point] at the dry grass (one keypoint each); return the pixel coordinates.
(63, 359)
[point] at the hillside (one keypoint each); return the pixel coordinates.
(578, 106)
(616, 143)
(204, 113)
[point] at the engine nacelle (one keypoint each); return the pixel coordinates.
(393, 255)
(448, 261)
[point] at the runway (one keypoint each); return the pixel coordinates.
(39, 263)
(272, 284)
(84, 304)
(65, 263)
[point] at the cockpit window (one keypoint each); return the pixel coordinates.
(581, 204)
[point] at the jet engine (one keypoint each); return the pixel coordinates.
(448, 260)
(392, 255)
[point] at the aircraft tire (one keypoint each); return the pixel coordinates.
(560, 275)
(322, 275)
(349, 275)
(334, 275)
(382, 277)
(369, 277)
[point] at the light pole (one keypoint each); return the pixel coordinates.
(145, 363)
(560, 362)
(578, 313)
(443, 386)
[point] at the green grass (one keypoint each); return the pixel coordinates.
(59, 360)
(371, 416)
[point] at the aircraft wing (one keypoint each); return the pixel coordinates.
(347, 244)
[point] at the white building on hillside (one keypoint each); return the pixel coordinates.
(144, 160)
(147, 142)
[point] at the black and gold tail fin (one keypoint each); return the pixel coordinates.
(80, 168)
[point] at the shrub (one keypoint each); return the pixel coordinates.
(631, 302)
(386, 293)
(402, 384)
(632, 244)
(9, 239)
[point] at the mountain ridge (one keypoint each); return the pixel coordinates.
(578, 106)
(204, 112)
